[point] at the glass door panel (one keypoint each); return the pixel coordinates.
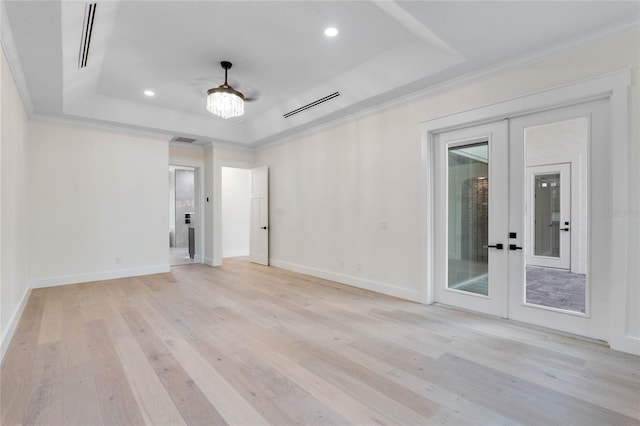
(468, 196)
(546, 214)
(549, 276)
(548, 209)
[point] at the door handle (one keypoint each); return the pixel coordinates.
(514, 247)
(264, 227)
(498, 246)
(564, 229)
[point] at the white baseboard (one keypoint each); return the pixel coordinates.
(212, 262)
(13, 323)
(628, 344)
(389, 290)
(99, 276)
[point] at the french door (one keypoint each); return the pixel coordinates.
(513, 221)
(472, 219)
(571, 297)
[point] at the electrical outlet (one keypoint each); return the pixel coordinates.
(358, 267)
(117, 260)
(342, 263)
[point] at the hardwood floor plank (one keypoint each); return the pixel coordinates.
(561, 371)
(559, 408)
(45, 404)
(268, 390)
(187, 397)
(17, 366)
(400, 384)
(117, 402)
(90, 305)
(221, 394)
(249, 344)
(51, 327)
(285, 358)
(153, 401)
(366, 393)
(80, 396)
(273, 394)
(76, 346)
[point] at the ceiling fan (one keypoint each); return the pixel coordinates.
(224, 100)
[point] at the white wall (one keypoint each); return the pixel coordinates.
(236, 205)
(345, 200)
(190, 156)
(14, 207)
(98, 204)
(345, 203)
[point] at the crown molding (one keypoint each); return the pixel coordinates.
(11, 53)
(100, 126)
(619, 29)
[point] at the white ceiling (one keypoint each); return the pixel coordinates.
(385, 50)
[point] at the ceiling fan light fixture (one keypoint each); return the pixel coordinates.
(224, 101)
(225, 104)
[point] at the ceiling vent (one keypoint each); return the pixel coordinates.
(181, 139)
(87, 29)
(312, 104)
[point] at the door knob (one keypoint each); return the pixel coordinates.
(264, 227)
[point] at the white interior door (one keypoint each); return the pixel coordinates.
(471, 218)
(572, 300)
(259, 231)
(548, 211)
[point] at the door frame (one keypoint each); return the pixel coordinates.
(217, 205)
(198, 188)
(613, 87)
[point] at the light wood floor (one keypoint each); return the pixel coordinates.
(246, 344)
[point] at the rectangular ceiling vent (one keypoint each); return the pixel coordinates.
(87, 29)
(181, 139)
(312, 104)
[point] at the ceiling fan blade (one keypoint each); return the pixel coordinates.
(251, 95)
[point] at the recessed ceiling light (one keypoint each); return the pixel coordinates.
(149, 93)
(331, 32)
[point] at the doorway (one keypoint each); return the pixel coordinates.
(236, 208)
(183, 216)
(511, 218)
